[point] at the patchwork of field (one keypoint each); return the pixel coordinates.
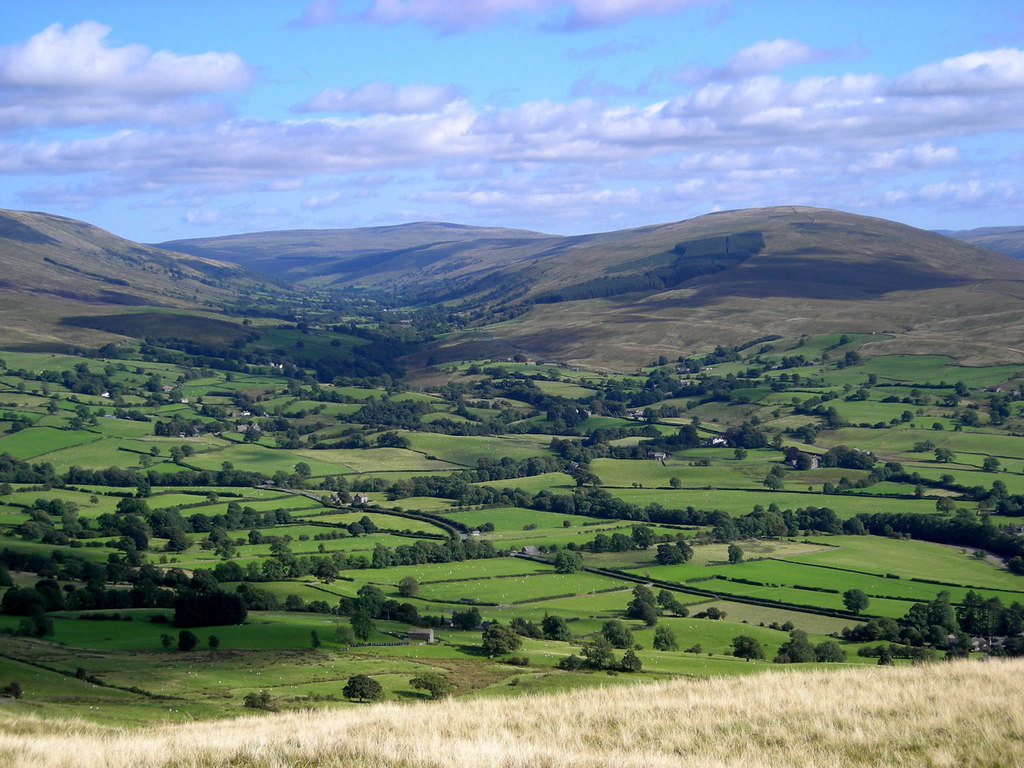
(325, 519)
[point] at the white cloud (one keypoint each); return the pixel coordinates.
(992, 71)
(204, 216)
(379, 97)
(73, 77)
(329, 200)
(458, 15)
(761, 58)
(603, 12)
(79, 58)
(757, 140)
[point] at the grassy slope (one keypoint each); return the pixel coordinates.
(967, 714)
(56, 268)
(820, 271)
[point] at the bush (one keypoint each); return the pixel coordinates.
(12, 690)
(187, 641)
(259, 700)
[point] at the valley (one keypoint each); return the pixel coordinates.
(218, 512)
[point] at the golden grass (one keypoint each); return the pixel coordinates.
(958, 714)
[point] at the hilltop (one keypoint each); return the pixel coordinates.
(55, 268)
(964, 713)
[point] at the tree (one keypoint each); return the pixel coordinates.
(568, 561)
(745, 647)
(499, 639)
(643, 536)
(991, 464)
(408, 587)
(796, 650)
(598, 653)
(314, 639)
(555, 628)
(12, 690)
(437, 686)
(944, 455)
(362, 626)
(643, 606)
(363, 688)
(467, 620)
(630, 662)
(675, 482)
(669, 554)
(187, 641)
(772, 482)
(735, 553)
(665, 639)
(210, 608)
(855, 600)
(166, 641)
(829, 651)
(617, 633)
(213, 642)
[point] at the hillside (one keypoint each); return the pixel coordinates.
(370, 254)
(623, 298)
(55, 269)
(963, 713)
(615, 300)
(1006, 240)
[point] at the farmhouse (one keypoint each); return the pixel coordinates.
(360, 498)
(657, 455)
(420, 635)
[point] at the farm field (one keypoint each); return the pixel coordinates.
(537, 511)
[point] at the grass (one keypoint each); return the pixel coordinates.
(518, 588)
(911, 559)
(959, 714)
(37, 441)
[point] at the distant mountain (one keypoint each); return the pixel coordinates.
(1008, 241)
(611, 300)
(619, 299)
(54, 268)
(348, 256)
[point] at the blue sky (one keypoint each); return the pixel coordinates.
(188, 119)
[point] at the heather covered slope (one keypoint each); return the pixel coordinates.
(804, 270)
(961, 713)
(52, 268)
(367, 255)
(611, 299)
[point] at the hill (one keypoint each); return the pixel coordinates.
(371, 254)
(617, 299)
(962, 713)
(622, 298)
(59, 275)
(1006, 240)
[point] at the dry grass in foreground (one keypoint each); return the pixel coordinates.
(960, 714)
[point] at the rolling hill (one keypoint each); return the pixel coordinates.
(1006, 240)
(618, 299)
(612, 300)
(316, 257)
(64, 281)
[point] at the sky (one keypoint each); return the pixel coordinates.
(166, 120)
